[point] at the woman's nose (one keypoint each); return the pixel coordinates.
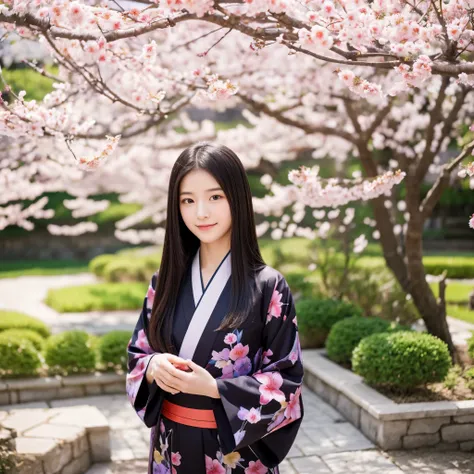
(202, 210)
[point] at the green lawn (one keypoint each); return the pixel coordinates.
(460, 312)
(18, 268)
(457, 292)
(98, 297)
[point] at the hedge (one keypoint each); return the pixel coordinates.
(345, 335)
(28, 334)
(14, 320)
(112, 349)
(470, 347)
(316, 316)
(402, 360)
(70, 351)
(18, 357)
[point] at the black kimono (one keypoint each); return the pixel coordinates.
(259, 373)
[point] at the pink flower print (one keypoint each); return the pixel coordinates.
(253, 416)
(293, 356)
(176, 459)
(274, 309)
(150, 296)
(293, 409)
(266, 355)
(256, 467)
(239, 351)
(295, 321)
(142, 342)
(228, 371)
(213, 466)
(242, 413)
(230, 338)
(222, 355)
(270, 388)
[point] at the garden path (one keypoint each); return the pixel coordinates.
(326, 444)
(26, 295)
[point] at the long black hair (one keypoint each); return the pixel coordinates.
(180, 244)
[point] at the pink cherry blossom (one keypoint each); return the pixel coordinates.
(293, 409)
(239, 351)
(256, 467)
(471, 222)
(266, 356)
(274, 309)
(176, 459)
(270, 388)
(213, 466)
(230, 338)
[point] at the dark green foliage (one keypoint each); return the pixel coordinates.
(402, 360)
(316, 316)
(345, 335)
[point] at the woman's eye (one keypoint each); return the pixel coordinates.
(184, 201)
(216, 196)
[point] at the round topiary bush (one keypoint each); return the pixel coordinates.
(70, 352)
(346, 334)
(18, 357)
(14, 320)
(112, 348)
(316, 316)
(28, 334)
(97, 265)
(402, 360)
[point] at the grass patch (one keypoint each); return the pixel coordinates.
(98, 297)
(17, 268)
(460, 312)
(457, 292)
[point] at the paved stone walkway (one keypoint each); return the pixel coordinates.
(326, 444)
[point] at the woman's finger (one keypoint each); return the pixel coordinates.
(166, 387)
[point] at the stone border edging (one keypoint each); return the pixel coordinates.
(449, 425)
(13, 391)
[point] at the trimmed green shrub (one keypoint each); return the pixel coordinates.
(112, 349)
(345, 335)
(14, 320)
(97, 297)
(470, 347)
(299, 283)
(97, 265)
(132, 268)
(316, 316)
(403, 360)
(28, 334)
(69, 352)
(18, 357)
(456, 267)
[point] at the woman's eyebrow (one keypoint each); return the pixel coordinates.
(207, 191)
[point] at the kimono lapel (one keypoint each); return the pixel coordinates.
(206, 302)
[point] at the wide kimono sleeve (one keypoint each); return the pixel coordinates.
(264, 410)
(145, 398)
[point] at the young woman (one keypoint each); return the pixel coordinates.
(215, 363)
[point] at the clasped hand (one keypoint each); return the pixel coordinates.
(175, 374)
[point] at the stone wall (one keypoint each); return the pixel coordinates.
(443, 425)
(40, 245)
(54, 388)
(58, 440)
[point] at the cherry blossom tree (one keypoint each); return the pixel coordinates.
(388, 82)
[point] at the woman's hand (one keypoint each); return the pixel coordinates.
(197, 382)
(162, 369)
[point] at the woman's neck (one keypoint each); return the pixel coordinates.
(213, 253)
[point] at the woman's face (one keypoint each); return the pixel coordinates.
(203, 203)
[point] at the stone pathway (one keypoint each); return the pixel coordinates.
(326, 443)
(26, 295)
